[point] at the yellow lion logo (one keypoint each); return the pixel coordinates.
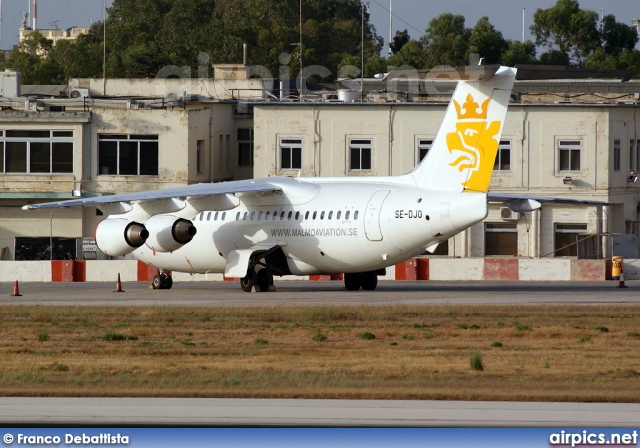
(475, 139)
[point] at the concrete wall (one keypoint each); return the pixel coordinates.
(437, 269)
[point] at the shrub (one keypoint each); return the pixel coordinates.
(367, 335)
(521, 327)
(602, 329)
(319, 337)
(43, 337)
(408, 337)
(261, 341)
(113, 337)
(428, 335)
(476, 361)
(393, 344)
(633, 334)
(496, 344)
(132, 337)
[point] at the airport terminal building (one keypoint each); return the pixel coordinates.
(577, 139)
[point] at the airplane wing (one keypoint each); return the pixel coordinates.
(197, 190)
(521, 203)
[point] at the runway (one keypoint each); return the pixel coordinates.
(317, 413)
(328, 293)
(115, 412)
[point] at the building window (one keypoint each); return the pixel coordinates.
(200, 156)
(290, 154)
(569, 152)
(501, 239)
(424, 145)
(503, 157)
(245, 147)
(38, 152)
(616, 155)
(120, 154)
(566, 241)
(634, 155)
(360, 151)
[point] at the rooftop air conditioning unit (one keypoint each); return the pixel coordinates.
(78, 93)
(509, 215)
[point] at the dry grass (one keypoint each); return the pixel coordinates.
(555, 353)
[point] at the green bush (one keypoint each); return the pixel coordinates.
(43, 337)
(319, 337)
(367, 335)
(476, 361)
(496, 344)
(113, 337)
(261, 341)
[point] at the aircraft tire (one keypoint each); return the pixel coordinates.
(167, 281)
(157, 282)
(248, 281)
(264, 279)
(352, 281)
(369, 280)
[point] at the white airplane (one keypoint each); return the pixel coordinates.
(255, 229)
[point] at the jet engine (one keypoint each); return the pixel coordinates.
(117, 237)
(168, 233)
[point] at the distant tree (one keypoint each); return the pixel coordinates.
(487, 42)
(518, 52)
(565, 28)
(446, 41)
(400, 40)
(32, 59)
(412, 54)
(82, 57)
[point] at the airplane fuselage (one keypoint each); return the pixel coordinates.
(328, 227)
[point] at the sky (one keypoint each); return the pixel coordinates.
(414, 15)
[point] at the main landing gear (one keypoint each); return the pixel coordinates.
(162, 281)
(262, 280)
(365, 280)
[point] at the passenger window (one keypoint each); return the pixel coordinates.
(238, 217)
(209, 216)
(253, 216)
(215, 217)
(322, 215)
(330, 214)
(224, 215)
(201, 216)
(314, 215)
(297, 216)
(260, 216)
(346, 215)
(306, 216)
(355, 214)
(338, 214)
(281, 215)
(267, 216)
(275, 215)
(289, 215)
(246, 215)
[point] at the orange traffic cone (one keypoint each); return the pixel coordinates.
(621, 282)
(16, 290)
(119, 285)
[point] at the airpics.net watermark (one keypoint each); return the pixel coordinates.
(67, 439)
(589, 438)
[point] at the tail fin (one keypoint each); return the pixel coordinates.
(464, 151)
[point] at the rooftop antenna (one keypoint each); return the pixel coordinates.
(54, 24)
(0, 24)
(523, 25)
(35, 14)
(390, 24)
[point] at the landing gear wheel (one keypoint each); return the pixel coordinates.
(369, 280)
(248, 281)
(162, 281)
(264, 279)
(352, 281)
(167, 281)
